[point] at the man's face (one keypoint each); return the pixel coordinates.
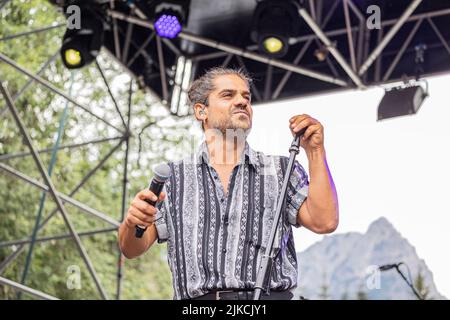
(229, 105)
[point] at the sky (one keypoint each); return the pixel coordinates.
(396, 168)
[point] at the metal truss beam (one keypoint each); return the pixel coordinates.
(439, 34)
(110, 93)
(386, 23)
(52, 88)
(52, 190)
(30, 81)
(302, 52)
(124, 195)
(162, 69)
(22, 288)
(235, 50)
(55, 237)
(348, 24)
(60, 195)
(10, 156)
(388, 37)
(99, 165)
(402, 50)
(27, 33)
(331, 48)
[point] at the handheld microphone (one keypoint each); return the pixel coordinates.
(298, 136)
(388, 266)
(162, 173)
(301, 132)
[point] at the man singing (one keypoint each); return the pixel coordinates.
(217, 212)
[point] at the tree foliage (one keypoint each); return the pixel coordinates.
(147, 277)
(421, 287)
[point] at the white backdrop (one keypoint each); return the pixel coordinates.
(397, 168)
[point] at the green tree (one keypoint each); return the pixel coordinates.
(145, 278)
(361, 294)
(421, 287)
(344, 295)
(324, 294)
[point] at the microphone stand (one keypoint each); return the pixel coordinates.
(407, 282)
(267, 257)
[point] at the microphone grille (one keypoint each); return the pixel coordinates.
(161, 172)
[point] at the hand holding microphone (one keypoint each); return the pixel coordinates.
(142, 212)
(310, 129)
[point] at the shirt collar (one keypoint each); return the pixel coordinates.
(249, 154)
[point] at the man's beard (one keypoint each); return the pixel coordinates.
(231, 126)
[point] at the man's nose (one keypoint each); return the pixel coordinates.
(241, 102)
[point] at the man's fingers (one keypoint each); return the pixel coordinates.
(133, 221)
(143, 206)
(303, 124)
(142, 216)
(146, 194)
(299, 117)
(298, 120)
(310, 131)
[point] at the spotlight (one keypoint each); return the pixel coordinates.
(321, 53)
(168, 25)
(401, 101)
(274, 22)
(81, 46)
(273, 44)
(169, 18)
(72, 57)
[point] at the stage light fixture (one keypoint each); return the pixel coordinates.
(81, 46)
(274, 22)
(273, 44)
(321, 53)
(168, 25)
(401, 101)
(169, 18)
(72, 57)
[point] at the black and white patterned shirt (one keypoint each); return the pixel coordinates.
(216, 240)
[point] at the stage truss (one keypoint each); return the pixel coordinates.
(355, 69)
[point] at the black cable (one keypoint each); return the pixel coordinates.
(410, 284)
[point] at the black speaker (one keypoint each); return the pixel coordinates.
(401, 102)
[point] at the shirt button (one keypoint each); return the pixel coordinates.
(223, 275)
(222, 200)
(224, 250)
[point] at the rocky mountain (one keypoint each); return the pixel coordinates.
(345, 266)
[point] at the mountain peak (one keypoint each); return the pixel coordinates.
(381, 226)
(344, 264)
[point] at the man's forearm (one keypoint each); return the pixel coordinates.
(131, 246)
(322, 198)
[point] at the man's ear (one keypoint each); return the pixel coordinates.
(201, 112)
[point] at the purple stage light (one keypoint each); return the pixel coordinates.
(168, 26)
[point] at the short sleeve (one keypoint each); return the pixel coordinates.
(297, 192)
(161, 220)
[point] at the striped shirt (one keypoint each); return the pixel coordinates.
(216, 240)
